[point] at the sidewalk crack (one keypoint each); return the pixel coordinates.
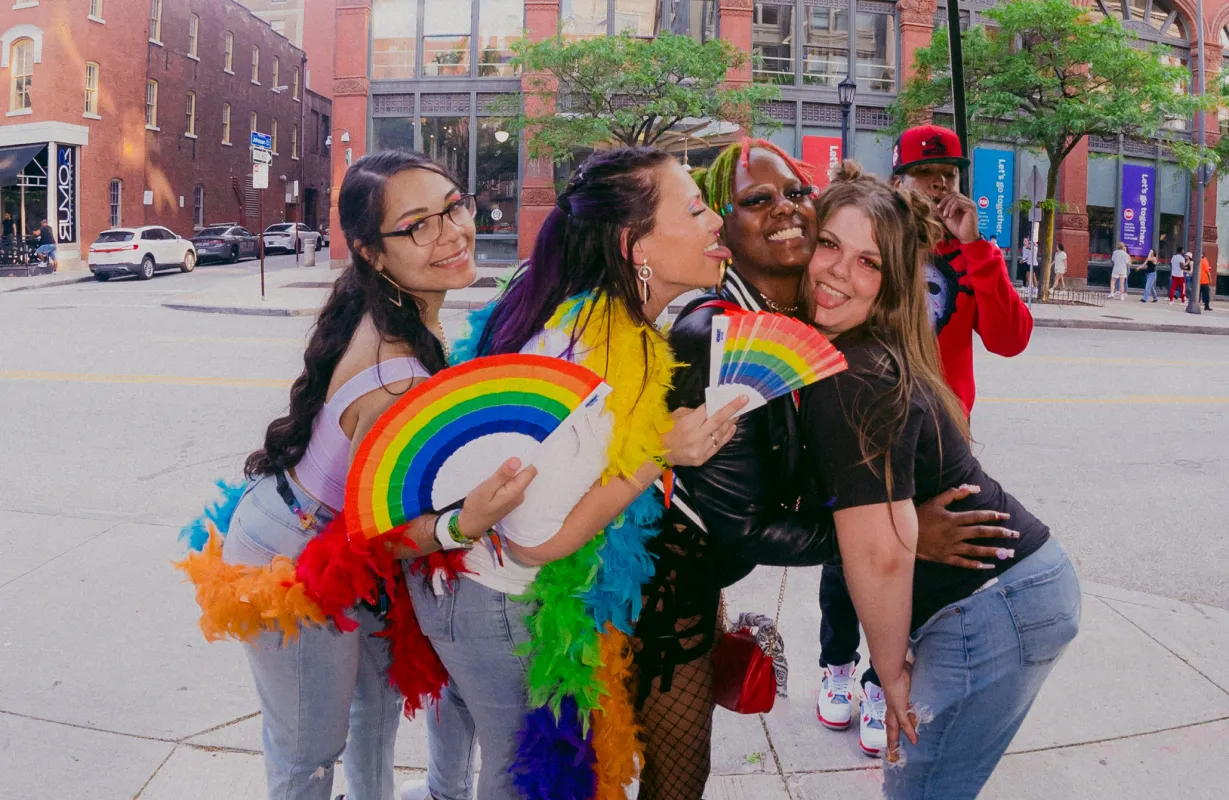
(150, 779)
(1164, 646)
(220, 726)
(772, 749)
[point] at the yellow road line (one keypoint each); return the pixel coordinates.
(1193, 400)
(1133, 362)
(162, 380)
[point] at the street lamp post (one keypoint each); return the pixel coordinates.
(1202, 178)
(845, 92)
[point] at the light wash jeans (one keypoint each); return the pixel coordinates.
(324, 683)
(474, 630)
(978, 665)
(1150, 287)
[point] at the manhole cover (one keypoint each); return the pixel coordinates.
(309, 285)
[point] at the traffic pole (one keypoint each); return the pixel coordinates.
(1201, 180)
(955, 49)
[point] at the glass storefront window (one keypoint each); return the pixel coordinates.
(499, 25)
(825, 36)
(637, 16)
(392, 133)
(583, 19)
(393, 23)
(1100, 233)
(445, 41)
(1170, 234)
(772, 37)
(445, 140)
(495, 182)
(876, 53)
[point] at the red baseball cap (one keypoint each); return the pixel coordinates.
(927, 144)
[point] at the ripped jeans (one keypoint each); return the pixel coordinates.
(978, 665)
(323, 684)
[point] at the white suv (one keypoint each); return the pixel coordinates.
(139, 251)
(290, 236)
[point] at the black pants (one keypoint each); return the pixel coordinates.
(839, 635)
(1205, 294)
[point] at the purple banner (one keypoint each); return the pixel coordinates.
(1135, 225)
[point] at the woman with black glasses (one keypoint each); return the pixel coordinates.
(410, 230)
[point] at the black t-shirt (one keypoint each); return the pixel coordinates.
(9, 227)
(45, 235)
(1150, 266)
(928, 456)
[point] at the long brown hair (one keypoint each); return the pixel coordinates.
(905, 229)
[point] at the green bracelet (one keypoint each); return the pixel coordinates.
(454, 530)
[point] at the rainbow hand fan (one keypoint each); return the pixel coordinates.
(453, 431)
(764, 356)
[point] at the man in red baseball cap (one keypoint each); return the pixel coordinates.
(970, 290)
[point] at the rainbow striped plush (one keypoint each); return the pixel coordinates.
(451, 432)
(764, 356)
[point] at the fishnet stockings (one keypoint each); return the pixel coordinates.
(678, 729)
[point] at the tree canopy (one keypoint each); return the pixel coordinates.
(626, 90)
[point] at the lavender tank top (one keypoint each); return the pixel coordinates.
(322, 471)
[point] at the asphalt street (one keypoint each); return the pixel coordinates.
(118, 414)
(118, 408)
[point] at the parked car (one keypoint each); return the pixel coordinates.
(287, 236)
(324, 237)
(227, 242)
(139, 251)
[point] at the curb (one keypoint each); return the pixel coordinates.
(61, 282)
(252, 311)
(1110, 325)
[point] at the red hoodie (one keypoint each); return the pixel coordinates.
(970, 290)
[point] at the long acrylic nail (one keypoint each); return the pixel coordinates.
(1004, 553)
(984, 565)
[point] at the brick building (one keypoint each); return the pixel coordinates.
(135, 112)
(309, 24)
(424, 74)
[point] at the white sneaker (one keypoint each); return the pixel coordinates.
(874, 735)
(415, 790)
(835, 707)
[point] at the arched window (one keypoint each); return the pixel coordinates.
(256, 65)
(190, 127)
(21, 67)
(277, 73)
(198, 207)
(1155, 20)
(155, 21)
(228, 55)
(194, 34)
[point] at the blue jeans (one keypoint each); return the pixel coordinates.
(978, 665)
(1150, 287)
(315, 689)
(474, 630)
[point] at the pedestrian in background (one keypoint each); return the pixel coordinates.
(1028, 255)
(1149, 268)
(1118, 278)
(9, 226)
(1177, 277)
(1060, 268)
(1205, 283)
(46, 243)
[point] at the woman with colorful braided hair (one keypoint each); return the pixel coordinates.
(410, 229)
(535, 636)
(744, 506)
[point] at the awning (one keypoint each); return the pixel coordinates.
(14, 159)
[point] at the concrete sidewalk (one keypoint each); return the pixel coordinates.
(109, 690)
(1133, 315)
(62, 278)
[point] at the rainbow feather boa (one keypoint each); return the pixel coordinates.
(580, 739)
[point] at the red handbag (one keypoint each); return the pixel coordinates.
(743, 676)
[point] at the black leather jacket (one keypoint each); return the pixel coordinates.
(750, 494)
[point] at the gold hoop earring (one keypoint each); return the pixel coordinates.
(643, 274)
(721, 274)
(394, 300)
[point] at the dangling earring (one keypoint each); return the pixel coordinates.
(643, 274)
(721, 275)
(394, 300)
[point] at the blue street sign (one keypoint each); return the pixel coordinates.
(262, 141)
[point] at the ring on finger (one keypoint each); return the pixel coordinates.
(713, 436)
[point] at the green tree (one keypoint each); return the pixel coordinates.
(1046, 75)
(626, 90)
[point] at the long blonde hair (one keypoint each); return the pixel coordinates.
(905, 229)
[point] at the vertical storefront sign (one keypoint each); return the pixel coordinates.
(66, 193)
(823, 153)
(994, 182)
(1135, 224)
